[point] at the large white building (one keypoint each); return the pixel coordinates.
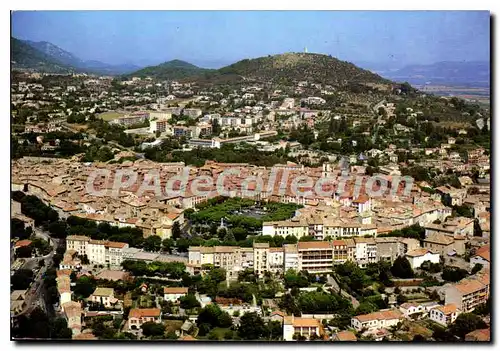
(444, 315)
(97, 251)
(419, 256)
(376, 320)
(305, 327)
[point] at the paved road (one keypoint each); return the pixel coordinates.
(35, 296)
(335, 286)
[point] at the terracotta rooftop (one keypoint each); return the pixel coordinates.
(479, 335)
(417, 252)
(22, 243)
(305, 245)
(175, 290)
(380, 315)
(301, 322)
(85, 336)
(116, 245)
(345, 335)
(144, 312)
(484, 252)
(469, 286)
(448, 309)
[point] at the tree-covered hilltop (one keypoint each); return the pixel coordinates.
(302, 67)
(175, 69)
(282, 68)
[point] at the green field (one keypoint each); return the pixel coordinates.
(110, 115)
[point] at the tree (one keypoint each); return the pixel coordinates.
(59, 329)
(465, 323)
(483, 309)
(229, 237)
(189, 301)
(295, 279)
(152, 243)
(211, 317)
(365, 308)
(84, 287)
(401, 268)
(252, 327)
(291, 239)
(24, 251)
(453, 274)
(152, 329)
(217, 274)
(401, 299)
(21, 279)
(176, 231)
(477, 267)
(84, 259)
(167, 245)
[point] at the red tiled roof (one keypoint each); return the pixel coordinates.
(22, 243)
(175, 290)
(144, 312)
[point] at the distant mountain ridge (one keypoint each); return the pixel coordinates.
(444, 73)
(23, 55)
(53, 55)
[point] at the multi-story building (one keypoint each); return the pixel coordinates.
(104, 296)
(469, 293)
(192, 112)
(284, 228)
(346, 230)
(79, 243)
(97, 251)
(291, 257)
(180, 131)
(161, 126)
(232, 258)
(260, 263)
(306, 327)
(315, 256)
(419, 256)
(202, 130)
(444, 315)
(444, 244)
(340, 251)
(139, 316)
(366, 251)
(376, 320)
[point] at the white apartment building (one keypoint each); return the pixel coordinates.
(365, 251)
(97, 251)
(419, 256)
(444, 315)
(285, 228)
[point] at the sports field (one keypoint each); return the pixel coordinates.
(110, 115)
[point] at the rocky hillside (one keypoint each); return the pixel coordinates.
(23, 55)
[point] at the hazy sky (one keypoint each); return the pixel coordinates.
(215, 38)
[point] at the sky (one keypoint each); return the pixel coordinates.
(216, 38)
